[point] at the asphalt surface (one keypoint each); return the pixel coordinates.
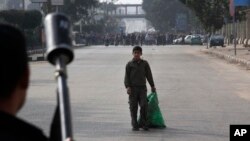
(199, 95)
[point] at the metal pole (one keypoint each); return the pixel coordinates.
(106, 8)
(234, 34)
(57, 8)
(23, 5)
(208, 38)
(59, 53)
(81, 26)
(64, 106)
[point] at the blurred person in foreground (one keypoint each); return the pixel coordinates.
(14, 82)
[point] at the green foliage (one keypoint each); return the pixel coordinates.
(210, 12)
(22, 19)
(32, 19)
(74, 9)
(78, 9)
(107, 6)
(33, 37)
(213, 12)
(162, 13)
(14, 17)
(28, 21)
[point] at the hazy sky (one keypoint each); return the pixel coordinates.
(127, 1)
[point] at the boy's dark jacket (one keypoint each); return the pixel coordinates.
(136, 74)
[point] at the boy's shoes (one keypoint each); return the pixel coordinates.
(135, 129)
(145, 128)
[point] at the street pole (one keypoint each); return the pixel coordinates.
(106, 8)
(59, 54)
(234, 34)
(23, 1)
(232, 13)
(57, 8)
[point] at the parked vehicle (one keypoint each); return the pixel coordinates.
(178, 40)
(196, 40)
(216, 40)
(187, 39)
(193, 40)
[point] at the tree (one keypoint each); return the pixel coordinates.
(79, 8)
(28, 21)
(211, 13)
(162, 13)
(214, 13)
(109, 21)
(74, 9)
(32, 19)
(22, 19)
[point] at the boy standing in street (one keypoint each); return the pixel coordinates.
(136, 73)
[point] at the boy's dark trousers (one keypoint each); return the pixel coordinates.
(138, 96)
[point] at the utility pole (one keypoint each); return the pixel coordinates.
(49, 6)
(232, 13)
(23, 4)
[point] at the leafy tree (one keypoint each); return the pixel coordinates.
(79, 8)
(14, 17)
(28, 21)
(210, 12)
(32, 19)
(162, 13)
(110, 22)
(22, 19)
(74, 9)
(107, 6)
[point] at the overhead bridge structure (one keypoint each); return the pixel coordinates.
(128, 11)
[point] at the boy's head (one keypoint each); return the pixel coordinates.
(137, 52)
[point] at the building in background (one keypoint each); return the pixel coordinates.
(11, 4)
(15, 4)
(34, 4)
(3, 4)
(19, 5)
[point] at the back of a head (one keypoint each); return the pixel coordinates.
(13, 59)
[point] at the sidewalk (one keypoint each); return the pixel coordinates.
(228, 53)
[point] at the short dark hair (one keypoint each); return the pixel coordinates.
(13, 59)
(137, 48)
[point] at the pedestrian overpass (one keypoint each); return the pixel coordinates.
(132, 17)
(127, 11)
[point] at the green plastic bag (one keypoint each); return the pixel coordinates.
(154, 116)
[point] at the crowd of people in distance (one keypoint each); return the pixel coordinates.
(136, 38)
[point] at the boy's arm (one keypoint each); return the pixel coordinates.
(126, 79)
(149, 75)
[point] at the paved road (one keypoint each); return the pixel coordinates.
(200, 96)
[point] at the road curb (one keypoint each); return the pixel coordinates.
(37, 55)
(36, 58)
(228, 58)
